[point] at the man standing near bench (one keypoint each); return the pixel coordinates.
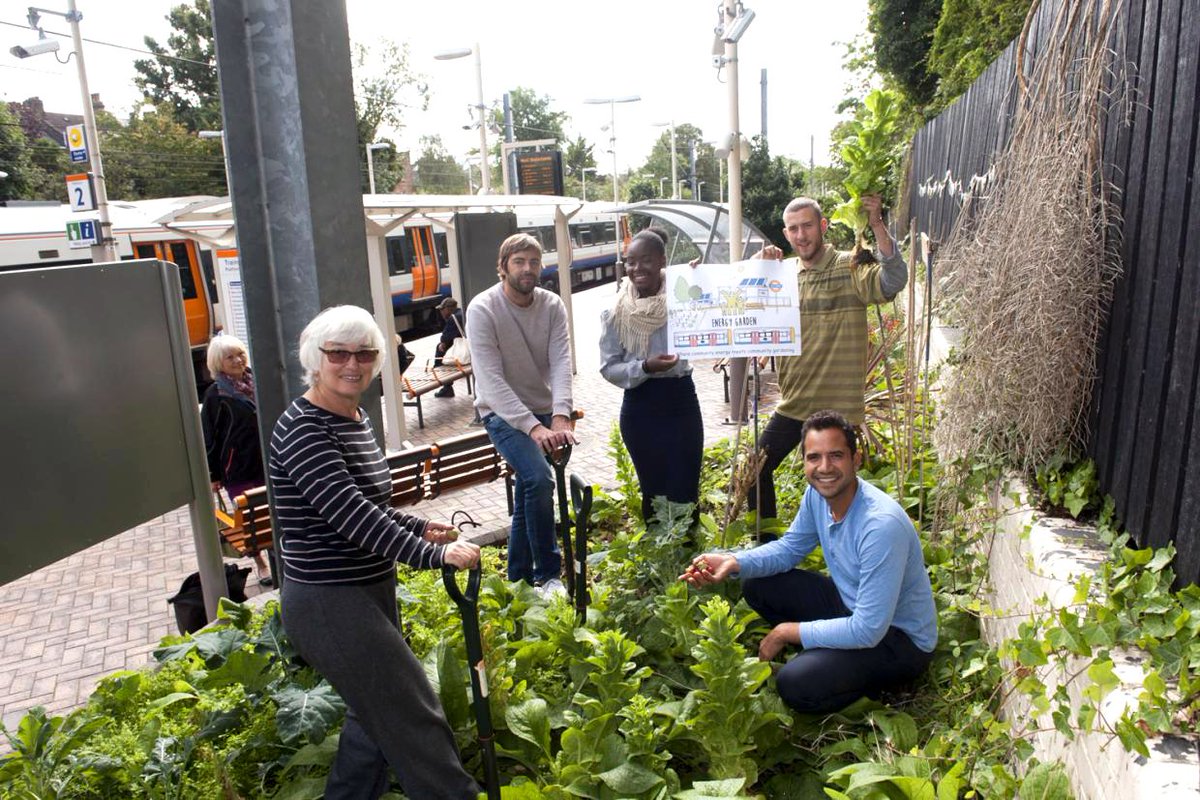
(831, 370)
(522, 361)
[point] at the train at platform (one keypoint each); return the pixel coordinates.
(34, 235)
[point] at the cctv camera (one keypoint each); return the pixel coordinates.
(35, 49)
(718, 61)
(739, 26)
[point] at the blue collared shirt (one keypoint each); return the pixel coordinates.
(875, 560)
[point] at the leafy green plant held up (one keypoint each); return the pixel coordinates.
(870, 154)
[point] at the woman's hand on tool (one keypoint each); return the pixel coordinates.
(462, 555)
(439, 532)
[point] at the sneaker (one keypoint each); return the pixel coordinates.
(551, 589)
(445, 391)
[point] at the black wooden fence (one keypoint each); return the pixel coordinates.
(1145, 415)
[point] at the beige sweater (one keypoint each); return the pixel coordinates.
(521, 357)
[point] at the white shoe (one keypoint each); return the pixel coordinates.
(551, 589)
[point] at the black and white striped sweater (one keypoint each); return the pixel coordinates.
(331, 486)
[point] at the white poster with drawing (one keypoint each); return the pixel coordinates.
(749, 308)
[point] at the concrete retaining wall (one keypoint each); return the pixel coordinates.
(1032, 557)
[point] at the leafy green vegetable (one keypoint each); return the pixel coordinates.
(869, 153)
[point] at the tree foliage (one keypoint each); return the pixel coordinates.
(183, 73)
(970, 35)
(533, 118)
(155, 155)
(641, 187)
(687, 138)
(48, 165)
(436, 171)
(903, 34)
(35, 168)
(768, 185)
(386, 89)
(14, 158)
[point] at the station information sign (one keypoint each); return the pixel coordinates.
(540, 173)
(83, 233)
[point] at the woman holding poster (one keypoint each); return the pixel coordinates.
(660, 415)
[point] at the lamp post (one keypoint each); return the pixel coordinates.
(107, 249)
(583, 178)
(733, 20)
(371, 148)
(485, 180)
(678, 190)
(700, 190)
(660, 186)
(612, 128)
(674, 168)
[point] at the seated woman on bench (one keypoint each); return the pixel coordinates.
(230, 421)
(340, 543)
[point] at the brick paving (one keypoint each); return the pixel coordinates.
(104, 609)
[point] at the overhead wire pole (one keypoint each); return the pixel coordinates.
(106, 250)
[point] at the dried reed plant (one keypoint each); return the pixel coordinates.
(747, 463)
(1033, 271)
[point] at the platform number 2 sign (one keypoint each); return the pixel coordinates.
(79, 193)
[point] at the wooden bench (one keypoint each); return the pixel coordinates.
(418, 473)
(722, 366)
(431, 378)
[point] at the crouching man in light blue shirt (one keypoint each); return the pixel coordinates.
(868, 626)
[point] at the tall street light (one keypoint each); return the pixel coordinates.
(371, 148)
(733, 20)
(674, 168)
(583, 176)
(485, 180)
(612, 128)
(107, 249)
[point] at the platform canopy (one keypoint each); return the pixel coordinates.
(211, 221)
(706, 225)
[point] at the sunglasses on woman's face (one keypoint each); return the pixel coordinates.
(365, 356)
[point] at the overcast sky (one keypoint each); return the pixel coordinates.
(658, 49)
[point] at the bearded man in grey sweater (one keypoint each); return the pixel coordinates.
(521, 357)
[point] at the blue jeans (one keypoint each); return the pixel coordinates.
(533, 554)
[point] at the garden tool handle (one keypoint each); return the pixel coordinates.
(470, 598)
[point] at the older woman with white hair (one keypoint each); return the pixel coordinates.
(230, 420)
(340, 543)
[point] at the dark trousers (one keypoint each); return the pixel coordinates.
(820, 681)
(351, 636)
(779, 439)
(664, 433)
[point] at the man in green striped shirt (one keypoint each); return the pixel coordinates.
(831, 370)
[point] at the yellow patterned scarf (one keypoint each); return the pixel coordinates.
(635, 318)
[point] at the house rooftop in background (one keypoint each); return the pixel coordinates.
(38, 123)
